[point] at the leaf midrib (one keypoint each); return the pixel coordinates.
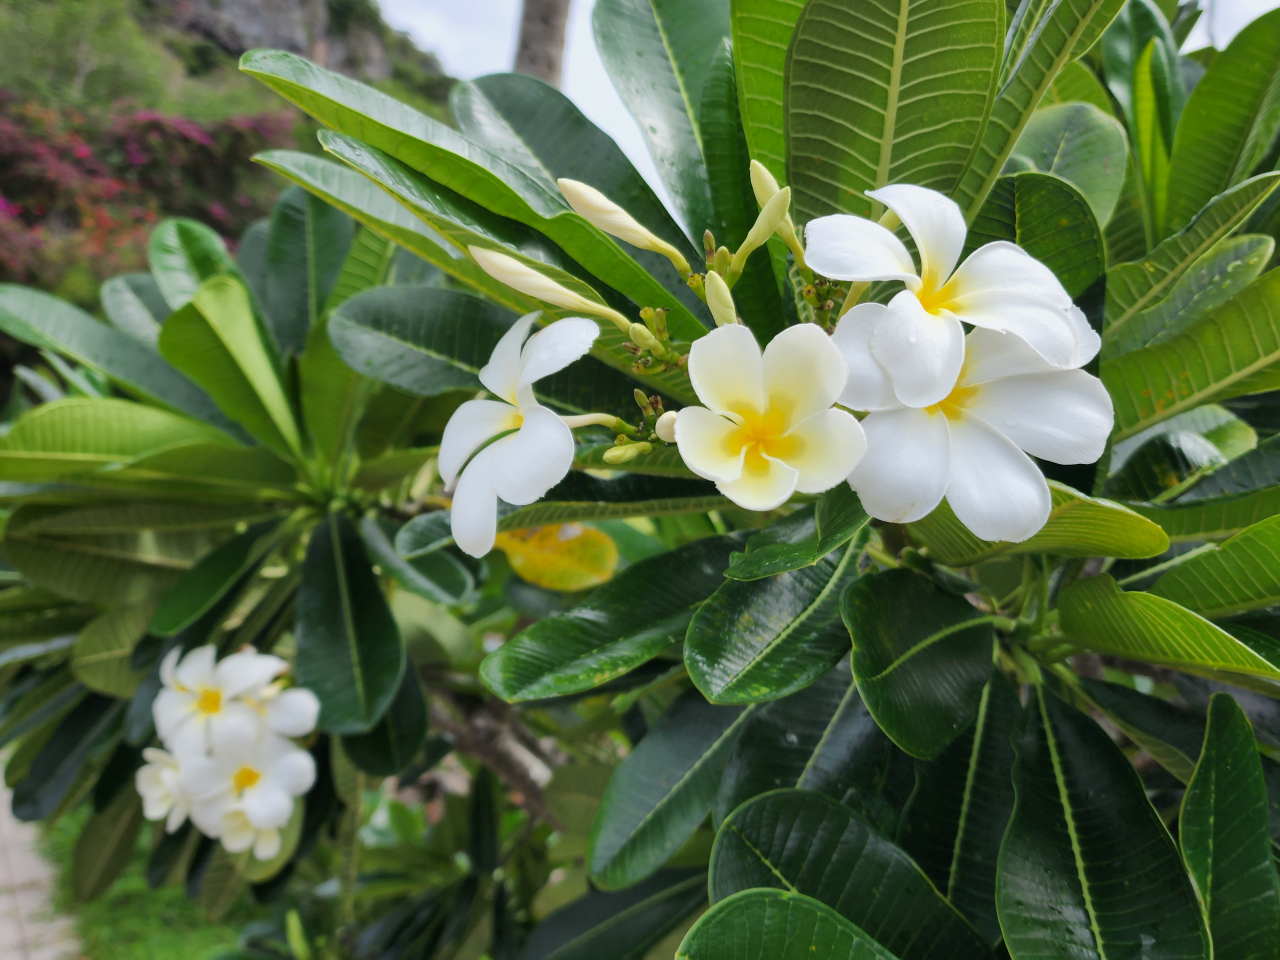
(930, 641)
(966, 797)
(348, 615)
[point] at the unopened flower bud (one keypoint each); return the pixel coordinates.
(625, 454)
(642, 338)
(720, 300)
(595, 207)
(665, 428)
(529, 281)
(721, 261)
(762, 183)
(771, 217)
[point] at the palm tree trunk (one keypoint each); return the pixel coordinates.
(541, 47)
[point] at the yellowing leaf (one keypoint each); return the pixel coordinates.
(566, 556)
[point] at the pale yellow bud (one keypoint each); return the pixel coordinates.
(665, 428)
(720, 300)
(765, 188)
(626, 453)
(642, 337)
(771, 217)
(521, 277)
(593, 206)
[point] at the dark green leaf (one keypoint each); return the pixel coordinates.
(134, 305)
(1083, 145)
(1170, 734)
(424, 534)
(56, 768)
(580, 496)
(920, 663)
(1242, 574)
(349, 648)
(393, 741)
(1086, 864)
(759, 640)
(434, 575)
(801, 538)
(807, 843)
(183, 254)
(1250, 471)
(105, 846)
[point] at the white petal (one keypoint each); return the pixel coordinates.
(990, 355)
(169, 666)
(266, 805)
(159, 757)
(247, 671)
(765, 483)
(235, 731)
(204, 778)
(209, 815)
(1064, 416)
(294, 772)
(908, 462)
(170, 710)
(501, 375)
(804, 373)
(934, 222)
(293, 713)
(850, 248)
(196, 669)
(922, 352)
(534, 459)
(1090, 342)
(726, 370)
(267, 844)
(554, 348)
(470, 427)
(1006, 268)
(237, 832)
(178, 815)
(473, 516)
(995, 490)
(829, 445)
(868, 386)
(707, 444)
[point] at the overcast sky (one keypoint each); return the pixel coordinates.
(475, 37)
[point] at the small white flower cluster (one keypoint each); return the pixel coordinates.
(228, 763)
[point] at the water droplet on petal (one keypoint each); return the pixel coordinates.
(912, 336)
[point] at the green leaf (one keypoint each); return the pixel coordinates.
(664, 461)
(334, 397)
(183, 254)
(582, 497)
(1096, 614)
(1229, 121)
(1225, 841)
(49, 323)
(368, 264)
(820, 738)
(956, 816)
(1075, 82)
(56, 768)
(1078, 526)
(101, 657)
(216, 341)
(609, 634)
(254, 870)
(349, 649)
(762, 32)
(436, 576)
(1170, 734)
(1210, 282)
(1067, 27)
(1051, 220)
(393, 741)
(251, 258)
(662, 790)
(658, 54)
(306, 247)
(843, 863)
(197, 468)
(759, 640)
(863, 86)
(774, 925)
(1250, 471)
(1138, 286)
(1227, 354)
(424, 534)
(134, 306)
(1086, 864)
(1242, 574)
(801, 538)
(80, 436)
(105, 846)
(920, 662)
(1214, 518)
(1081, 144)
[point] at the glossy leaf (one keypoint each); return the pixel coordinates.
(1250, 471)
(105, 847)
(580, 496)
(801, 538)
(1086, 864)
(434, 575)
(134, 306)
(1078, 526)
(334, 398)
(866, 87)
(565, 557)
(1171, 735)
(662, 790)
(349, 648)
(1215, 517)
(1139, 626)
(391, 744)
(920, 663)
(763, 639)
(774, 925)
(56, 768)
(762, 32)
(820, 738)
(609, 634)
(101, 657)
(1242, 574)
(1225, 841)
(807, 843)
(1081, 144)
(956, 816)
(183, 254)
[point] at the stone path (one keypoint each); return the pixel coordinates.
(29, 930)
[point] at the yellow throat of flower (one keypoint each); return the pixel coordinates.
(209, 701)
(761, 434)
(953, 404)
(245, 778)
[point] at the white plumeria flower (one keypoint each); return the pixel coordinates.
(768, 428)
(201, 694)
(243, 792)
(159, 783)
(969, 447)
(537, 451)
(919, 339)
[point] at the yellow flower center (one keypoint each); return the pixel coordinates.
(209, 701)
(761, 434)
(245, 778)
(953, 404)
(935, 297)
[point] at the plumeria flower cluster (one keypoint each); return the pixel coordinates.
(228, 761)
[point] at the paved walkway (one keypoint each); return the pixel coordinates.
(29, 930)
